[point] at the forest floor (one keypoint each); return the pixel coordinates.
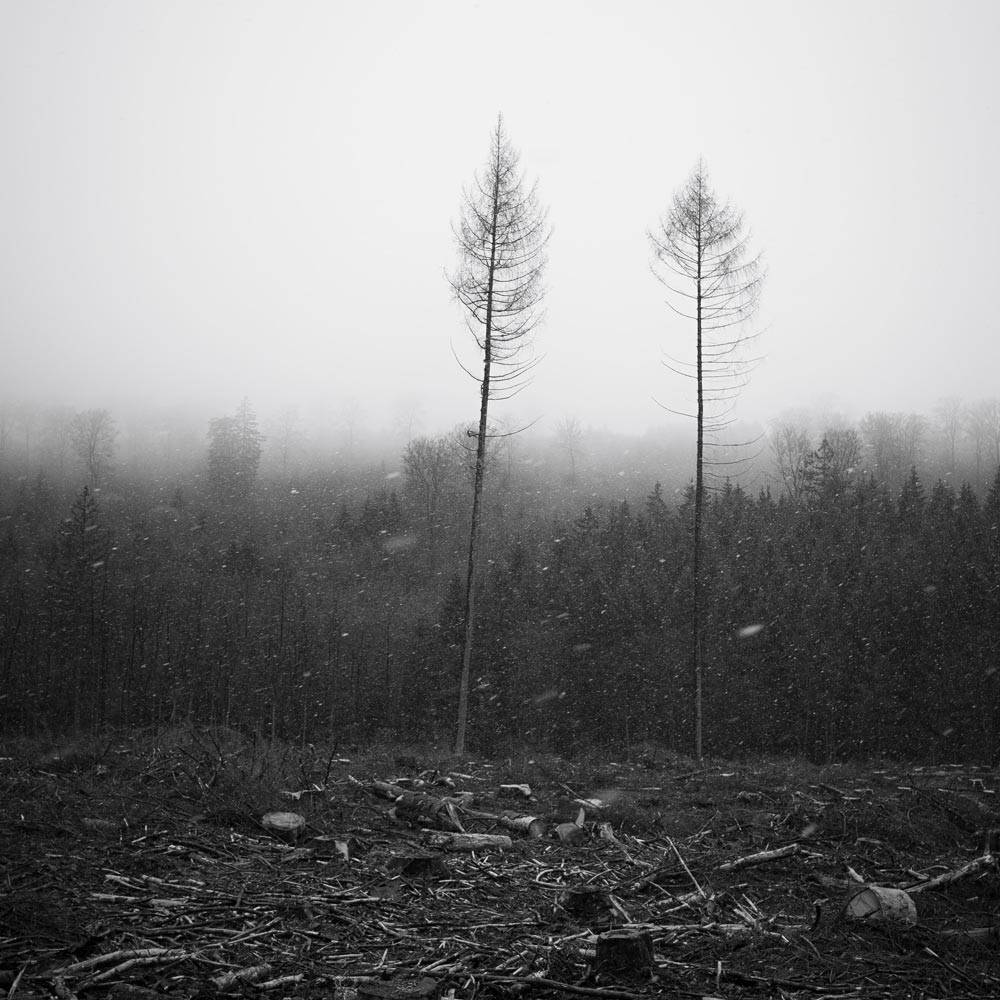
(139, 867)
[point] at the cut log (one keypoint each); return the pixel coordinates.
(468, 841)
(624, 955)
(529, 826)
(876, 903)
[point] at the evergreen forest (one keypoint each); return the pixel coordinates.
(851, 605)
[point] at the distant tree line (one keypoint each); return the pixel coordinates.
(847, 613)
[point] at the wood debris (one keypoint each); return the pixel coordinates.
(373, 901)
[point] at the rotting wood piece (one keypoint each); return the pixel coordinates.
(624, 955)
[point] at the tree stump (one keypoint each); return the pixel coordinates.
(287, 826)
(624, 955)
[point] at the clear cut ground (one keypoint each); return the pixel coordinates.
(138, 865)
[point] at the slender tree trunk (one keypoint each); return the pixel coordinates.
(477, 487)
(501, 238)
(699, 499)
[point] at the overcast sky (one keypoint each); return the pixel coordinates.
(205, 200)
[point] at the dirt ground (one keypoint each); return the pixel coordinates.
(139, 866)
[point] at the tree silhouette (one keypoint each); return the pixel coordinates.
(234, 445)
(92, 435)
(701, 256)
(501, 236)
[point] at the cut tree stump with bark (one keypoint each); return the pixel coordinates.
(287, 826)
(624, 955)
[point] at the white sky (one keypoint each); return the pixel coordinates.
(205, 200)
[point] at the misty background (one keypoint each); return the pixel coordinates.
(206, 202)
(234, 454)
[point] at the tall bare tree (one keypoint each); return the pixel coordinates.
(501, 236)
(701, 255)
(791, 447)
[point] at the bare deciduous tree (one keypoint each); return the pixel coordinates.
(893, 442)
(287, 436)
(984, 429)
(792, 448)
(431, 466)
(569, 434)
(92, 435)
(843, 450)
(701, 255)
(501, 235)
(950, 413)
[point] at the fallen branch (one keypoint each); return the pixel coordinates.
(167, 957)
(111, 956)
(247, 975)
(976, 865)
(762, 857)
